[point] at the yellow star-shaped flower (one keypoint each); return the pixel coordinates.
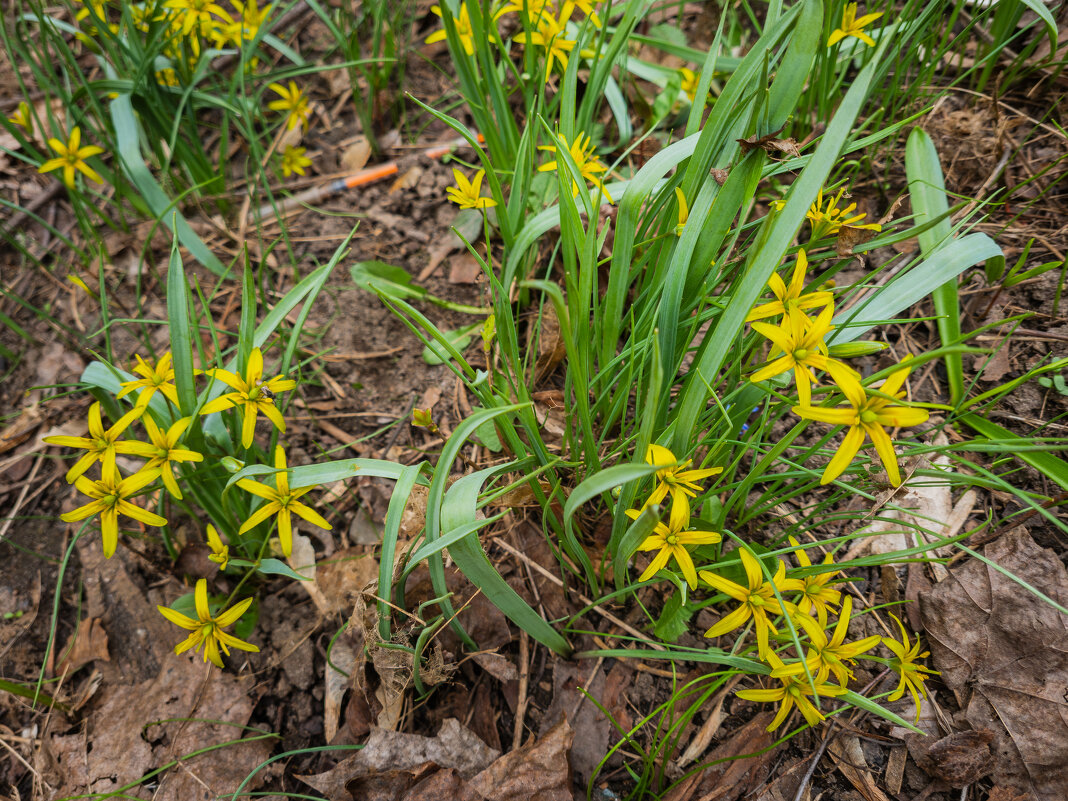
(71, 156)
(207, 629)
(281, 501)
(252, 392)
(852, 26)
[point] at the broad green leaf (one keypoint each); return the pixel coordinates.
(458, 338)
(128, 151)
(459, 513)
(927, 192)
(181, 333)
(913, 285)
(276, 567)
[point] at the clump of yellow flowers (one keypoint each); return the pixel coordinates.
(174, 452)
(790, 609)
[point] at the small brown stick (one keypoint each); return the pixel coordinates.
(524, 682)
(586, 688)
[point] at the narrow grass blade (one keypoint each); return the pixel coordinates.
(1054, 468)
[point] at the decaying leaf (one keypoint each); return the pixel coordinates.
(551, 350)
(960, 759)
(732, 773)
(88, 642)
(302, 560)
(343, 576)
(848, 757)
(338, 679)
(454, 747)
(930, 514)
(571, 682)
(539, 771)
(497, 665)
(1004, 654)
(850, 237)
(770, 145)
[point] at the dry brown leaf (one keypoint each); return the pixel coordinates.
(539, 771)
(930, 509)
(497, 665)
(784, 786)
(960, 759)
(708, 729)
(464, 269)
(994, 366)
(428, 782)
(19, 430)
(454, 747)
(114, 750)
(570, 703)
(551, 349)
(850, 237)
(356, 155)
(1004, 654)
(770, 145)
(302, 560)
(740, 774)
(338, 679)
(342, 578)
(848, 757)
(87, 643)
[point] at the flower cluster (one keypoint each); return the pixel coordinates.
(768, 598)
(546, 27)
(171, 447)
(187, 29)
(791, 610)
(798, 345)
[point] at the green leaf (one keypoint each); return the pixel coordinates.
(927, 192)
(128, 150)
(324, 472)
(31, 693)
(459, 513)
(911, 286)
(1039, 8)
(868, 705)
(487, 434)
(181, 334)
(598, 484)
(674, 620)
(377, 276)
(276, 567)
(458, 338)
(1054, 468)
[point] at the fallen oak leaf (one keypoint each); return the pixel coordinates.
(1004, 654)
